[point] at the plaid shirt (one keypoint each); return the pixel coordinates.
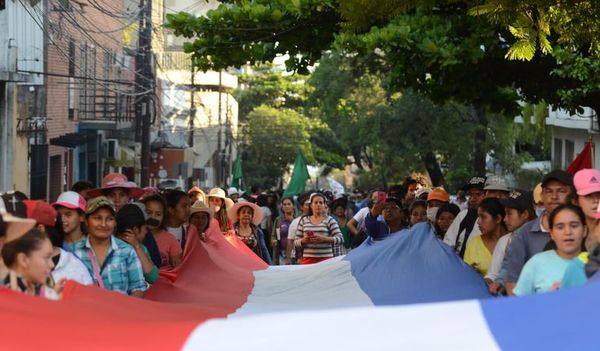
(121, 271)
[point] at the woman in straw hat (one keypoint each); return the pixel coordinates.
(247, 216)
(219, 203)
(200, 216)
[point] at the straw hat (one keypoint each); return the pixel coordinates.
(200, 206)
(117, 180)
(217, 192)
(220, 193)
(257, 212)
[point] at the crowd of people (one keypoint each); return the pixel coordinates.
(120, 237)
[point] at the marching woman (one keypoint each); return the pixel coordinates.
(219, 203)
(317, 232)
(117, 189)
(247, 217)
(29, 260)
(113, 263)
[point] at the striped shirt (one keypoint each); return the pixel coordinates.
(328, 227)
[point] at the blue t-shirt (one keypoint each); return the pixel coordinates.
(575, 273)
(543, 272)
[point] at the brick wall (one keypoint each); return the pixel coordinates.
(82, 25)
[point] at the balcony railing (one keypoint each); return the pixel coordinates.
(174, 60)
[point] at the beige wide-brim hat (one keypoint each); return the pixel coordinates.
(220, 193)
(200, 206)
(233, 212)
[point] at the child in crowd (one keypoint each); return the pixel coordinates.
(545, 270)
(66, 264)
(491, 223)
(169, 248)
(518, 208)
(71, 208)
(444, 218)
(418, 212)
(117, 188)
(29, 259)
(131, 228)
(200, 217)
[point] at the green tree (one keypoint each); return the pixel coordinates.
(264, 85)
(273, 137)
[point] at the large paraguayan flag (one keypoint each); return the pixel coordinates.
(407, 292)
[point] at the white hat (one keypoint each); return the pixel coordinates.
(220, 193)
(72, 200)
(496, 183)
(232, 191)
(16, 226)
(217, 192)
(257, 212)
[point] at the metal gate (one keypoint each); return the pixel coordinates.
(39, 171)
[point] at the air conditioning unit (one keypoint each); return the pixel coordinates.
(111, 149)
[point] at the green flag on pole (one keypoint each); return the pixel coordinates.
(236, 182)
(299, 177)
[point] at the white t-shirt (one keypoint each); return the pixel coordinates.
(70, 267)
(452, 235)
(498, 257)
(177, 233)
(292, 230)
(360, 216)
(266, 215)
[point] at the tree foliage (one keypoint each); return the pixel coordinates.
(273, 137)
(264, 85)
(255, 31)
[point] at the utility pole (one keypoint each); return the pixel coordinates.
(219, 150)
(145, 83)
(192, 109)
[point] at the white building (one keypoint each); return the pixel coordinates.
(212, 118)
(569, 135)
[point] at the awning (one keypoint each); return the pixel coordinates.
(72, 140)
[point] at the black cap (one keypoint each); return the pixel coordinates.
(393, 200)
(558, 175)
(477, 182)
(13, 200)
(133, 215)
(518, 199)
(129, 216)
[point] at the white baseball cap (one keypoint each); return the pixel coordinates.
(72, 200)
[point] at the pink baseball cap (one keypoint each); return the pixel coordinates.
(72, 200)
(587, 181)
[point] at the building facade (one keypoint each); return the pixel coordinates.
(90, 91)
(22, 108)
(570, 133)
(198, 111)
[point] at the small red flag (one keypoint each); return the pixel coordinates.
(583, 160)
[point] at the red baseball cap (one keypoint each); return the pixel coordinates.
(41, 211)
